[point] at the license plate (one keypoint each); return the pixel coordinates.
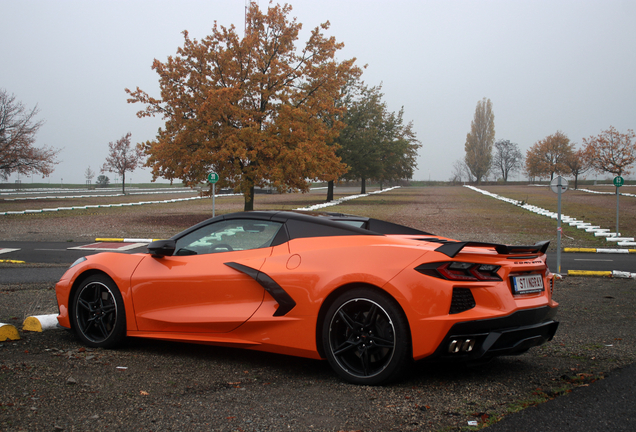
(527, 284)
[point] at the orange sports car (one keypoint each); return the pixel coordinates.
(368, 295)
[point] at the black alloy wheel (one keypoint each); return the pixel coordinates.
(366, 337)
(98, 313)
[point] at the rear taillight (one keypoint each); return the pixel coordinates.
(461, 271)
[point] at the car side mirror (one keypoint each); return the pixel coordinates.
(162, 248)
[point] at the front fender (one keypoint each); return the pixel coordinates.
(118, 266)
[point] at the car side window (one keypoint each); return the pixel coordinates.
(227, 236)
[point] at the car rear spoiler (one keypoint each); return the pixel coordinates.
(453, 248)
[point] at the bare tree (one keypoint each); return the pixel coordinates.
(17, 136)
(89, 174)
(460, 172)
(122, 158)
(507, 158)
(578, 163)
(480, 139)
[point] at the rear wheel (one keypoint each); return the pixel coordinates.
(98, 314)
(366, 337)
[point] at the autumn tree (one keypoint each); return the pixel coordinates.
(122, 158)
(578, 164)
(479, 140)
(611, 151)
(251, 109)
(18, 128)
(549, 155)
(507, 158)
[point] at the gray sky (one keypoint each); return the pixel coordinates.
(545, 65)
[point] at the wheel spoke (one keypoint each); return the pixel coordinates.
(350, 323)
(345, 347)
(97, 294)
(90, 322)
(108, 309)
(365, 362)
(371, 315)
(383, 342)
(86, 305)
(102, 327)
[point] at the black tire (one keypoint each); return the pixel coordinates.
(98, 315)
(366, 337)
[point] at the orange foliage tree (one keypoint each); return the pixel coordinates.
(549, 156)
(251, 109)
(611, 151)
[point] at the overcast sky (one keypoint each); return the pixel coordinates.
(545, 65)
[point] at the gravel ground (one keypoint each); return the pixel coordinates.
(48, 381)
(51, 382)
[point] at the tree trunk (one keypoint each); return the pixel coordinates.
(330, 191)
(123, 182)
(363, 188)
(249, 200)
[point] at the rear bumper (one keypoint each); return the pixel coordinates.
(510, 335)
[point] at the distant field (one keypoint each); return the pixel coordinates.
(451, 211)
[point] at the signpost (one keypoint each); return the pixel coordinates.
(213, 178)
(618, 182)
(559, 185)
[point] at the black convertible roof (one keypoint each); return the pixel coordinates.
(301, 224)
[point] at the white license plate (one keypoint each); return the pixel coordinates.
(527, 284)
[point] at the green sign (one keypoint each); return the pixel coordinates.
(618, 181)
(213, 178)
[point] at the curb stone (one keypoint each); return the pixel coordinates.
(612, 274)
(39, 323)
(124, 240)
(599, 250)
(8, 332)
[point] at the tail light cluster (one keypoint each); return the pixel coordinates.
(461, 271)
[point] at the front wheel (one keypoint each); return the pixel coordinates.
(98, 313)
(366, 337)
